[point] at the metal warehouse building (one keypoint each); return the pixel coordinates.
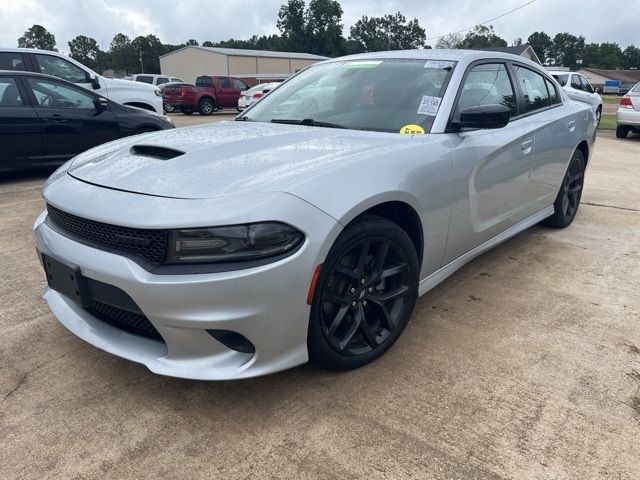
(190, 62)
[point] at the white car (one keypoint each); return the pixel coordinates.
(579, 88)
(628, 114)
(254, 94)
(152, 79)
(124, 92)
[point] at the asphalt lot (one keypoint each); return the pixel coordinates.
(524, 364)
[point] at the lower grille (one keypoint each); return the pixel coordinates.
(125, 320)
(146, 243)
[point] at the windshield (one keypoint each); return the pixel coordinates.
(379, 95)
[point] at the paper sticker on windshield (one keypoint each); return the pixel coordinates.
(438, 64)
(363, 64)
(429, 106)
(412, 130)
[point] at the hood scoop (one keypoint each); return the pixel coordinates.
(154, 151)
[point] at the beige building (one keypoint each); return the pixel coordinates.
(251, 65)
(597, 76)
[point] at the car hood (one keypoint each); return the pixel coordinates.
(129, 84)
(227, 157)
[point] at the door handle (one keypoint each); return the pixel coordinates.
(56, 117)
(571, 125)
(526, 146)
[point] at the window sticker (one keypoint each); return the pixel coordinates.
(441, 64)
(412, 129)
(429, 106)
(363, 64)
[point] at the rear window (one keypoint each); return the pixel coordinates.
(553, 93)
(9, 93)
(144, 79)
(204, 82)
(636, 88)
(12, 61)
(224, 82)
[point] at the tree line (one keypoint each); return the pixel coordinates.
(317, 28)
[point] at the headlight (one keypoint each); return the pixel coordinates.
(157, 92)
(232, 244)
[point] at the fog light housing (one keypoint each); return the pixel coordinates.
(233, 340)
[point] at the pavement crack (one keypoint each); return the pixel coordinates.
(611, 206)
(24, 376)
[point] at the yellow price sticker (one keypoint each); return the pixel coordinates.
(412, 130)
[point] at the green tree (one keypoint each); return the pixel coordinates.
(123, 56)
(482, 37)
(324, 28)
(631, 57)
(453, 40)
(85, 50)
(208, 43)
(292, 25)
(148, 49)
(542, 45)
(193, 42)
(390, 32)
(610, 56)
(38, 37)
(567, 49)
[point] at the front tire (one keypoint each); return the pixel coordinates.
(168, 108)
(365, 294)
(622, 131)
(568, 199)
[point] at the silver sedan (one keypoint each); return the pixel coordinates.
(306, 229)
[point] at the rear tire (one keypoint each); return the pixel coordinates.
(168, 108)
(365, 294)
(568, 199)
(206, 106)
(622, 131)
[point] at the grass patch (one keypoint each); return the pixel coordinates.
(611, 99)
(607, 122)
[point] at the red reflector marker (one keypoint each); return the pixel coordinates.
(314, 281)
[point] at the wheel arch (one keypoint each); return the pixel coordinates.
(583, 146)
(206, 96)
(402, 214)
(144, 106)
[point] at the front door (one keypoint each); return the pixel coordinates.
(492, 189)
(72, 121)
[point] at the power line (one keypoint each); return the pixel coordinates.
(486, 21)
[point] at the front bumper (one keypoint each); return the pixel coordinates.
(266, 304)
(628, 116)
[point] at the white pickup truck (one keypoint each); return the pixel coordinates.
(134, 94)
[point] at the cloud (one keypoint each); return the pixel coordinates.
(177, 21)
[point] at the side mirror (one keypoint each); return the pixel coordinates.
(597, 90)
(93, 80)
(102, 104)
(483, 117)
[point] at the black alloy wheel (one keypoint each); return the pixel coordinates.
(365, 295)
(568, 199)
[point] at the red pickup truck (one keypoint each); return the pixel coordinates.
(210, 93)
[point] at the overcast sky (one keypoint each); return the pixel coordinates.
(175, 21)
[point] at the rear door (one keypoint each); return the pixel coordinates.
(225, 93)
(238, 87)
(491, 167)
(72, 121)
(61, 68)
(20, 134)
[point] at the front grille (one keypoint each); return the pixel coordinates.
(130, 321)
(146, 243)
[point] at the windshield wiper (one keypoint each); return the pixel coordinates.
(309, 122)
(244, 119)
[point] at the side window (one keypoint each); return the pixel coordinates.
(12, 61)
(161, 80)
(487, 84)
(239, 84)
(575, 82)
(144, 79)
(224, 82)
(553, 93)
(533, 88)
(61, 68)
(176, 80)
(9, 93)
(51, 94)
(562, 79)
(586, 86)
(204, 82)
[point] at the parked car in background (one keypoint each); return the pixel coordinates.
(210, 93)
(579, 88)
(53, 63)
(625, 88)
(44, 120)
(167, 107)
(259, 244)
(628, 113)
(254, 94)
(156, 80)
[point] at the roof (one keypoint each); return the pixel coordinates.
(626, 76)
(515, 50)
(241, 52)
